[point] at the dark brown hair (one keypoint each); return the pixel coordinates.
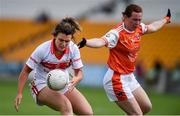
(68, 26)
(132, 8)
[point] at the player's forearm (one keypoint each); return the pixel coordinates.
(95, 43)
(155, 26)
(78, 76)
(23, 78)
(22, 81)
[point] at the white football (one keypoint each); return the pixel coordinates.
(57, 79)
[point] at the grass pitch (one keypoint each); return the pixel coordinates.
(163, 104)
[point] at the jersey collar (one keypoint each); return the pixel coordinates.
(53, 50)
(126, 29)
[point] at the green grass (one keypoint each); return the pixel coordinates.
(163, 104)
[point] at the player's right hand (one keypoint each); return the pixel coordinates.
(82, 43)
(168, 16)
(17, 102)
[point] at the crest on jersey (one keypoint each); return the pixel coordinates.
(137, 36)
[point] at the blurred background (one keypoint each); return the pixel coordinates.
(24, 24)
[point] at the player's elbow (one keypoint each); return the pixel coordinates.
(152, 29)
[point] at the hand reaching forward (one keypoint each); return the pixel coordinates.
(82, 43)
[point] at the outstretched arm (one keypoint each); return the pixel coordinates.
(155, 26)
(92, 43)
(95, 43)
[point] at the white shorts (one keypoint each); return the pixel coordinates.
(119, 87)
(37, 85)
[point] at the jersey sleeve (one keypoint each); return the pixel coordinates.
(144, 28)
(35, 58)
(111, 38)
(76, 58)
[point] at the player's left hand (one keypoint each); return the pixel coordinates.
(168, 16)
(71, 86)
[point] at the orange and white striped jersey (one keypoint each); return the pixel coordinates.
(124, 46)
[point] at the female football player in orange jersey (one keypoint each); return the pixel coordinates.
(123, 42)
(58, 53)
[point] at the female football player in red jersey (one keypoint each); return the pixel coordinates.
(60, 52)
(123, 42)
